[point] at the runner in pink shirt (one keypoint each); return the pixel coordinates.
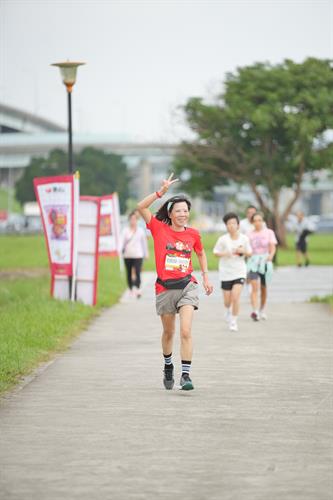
(263, 242)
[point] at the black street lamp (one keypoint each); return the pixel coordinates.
(68, 73)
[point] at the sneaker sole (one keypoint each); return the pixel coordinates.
(168, 384)
(188, 386)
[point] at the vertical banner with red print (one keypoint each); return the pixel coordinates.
(109, 230)
(56, 198)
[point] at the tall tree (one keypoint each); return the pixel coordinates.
(267, 129)
(100, 173)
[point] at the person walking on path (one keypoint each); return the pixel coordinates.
(134, 250)
(232, 248)
(303, 229)
(176, 288)
(263, 243)
(245, 225)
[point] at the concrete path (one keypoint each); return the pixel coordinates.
(96, 424)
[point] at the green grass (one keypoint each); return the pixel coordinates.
(320, 249)
(34, 326)
(22, 252)
(328, 299)
(111, 283)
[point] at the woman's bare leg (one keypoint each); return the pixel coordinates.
(168, 322)
(186, 344)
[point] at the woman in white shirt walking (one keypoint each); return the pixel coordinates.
(134, 249)
(232, 248)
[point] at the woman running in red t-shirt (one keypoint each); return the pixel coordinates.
(176, 288)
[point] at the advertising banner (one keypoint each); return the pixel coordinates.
(55, 196)
(109, 230)
(88, 241)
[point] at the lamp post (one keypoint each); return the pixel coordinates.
(68, 71)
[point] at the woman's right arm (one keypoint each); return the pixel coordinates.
(143, 205)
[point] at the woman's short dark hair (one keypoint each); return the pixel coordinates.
(230, 215)
(163, 212)
(257, 213)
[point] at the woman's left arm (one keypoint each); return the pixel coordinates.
(202, 258)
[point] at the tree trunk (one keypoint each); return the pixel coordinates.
(281, 232)
(276, 222)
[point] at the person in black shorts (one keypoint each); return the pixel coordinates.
(303, 229)
(263, 243)
(232, 249)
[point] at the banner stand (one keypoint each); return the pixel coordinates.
(77, 230)
(110, 240)
(57, 199)
(88, 246)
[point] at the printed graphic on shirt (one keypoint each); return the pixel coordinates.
(179, 246)
(178, 256)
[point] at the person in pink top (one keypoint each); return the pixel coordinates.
(263, 242)
(134, 250)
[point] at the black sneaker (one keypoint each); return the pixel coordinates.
(186, 382)
(168, 379)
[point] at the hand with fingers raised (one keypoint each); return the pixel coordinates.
(165, 185)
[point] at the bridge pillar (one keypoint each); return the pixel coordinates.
(145, 178)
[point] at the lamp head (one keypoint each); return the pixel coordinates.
(68, 71)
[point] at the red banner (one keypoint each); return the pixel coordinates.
(109, 229)
(55, 196)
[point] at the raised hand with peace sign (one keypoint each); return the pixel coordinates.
(166, 184)
(143, 206)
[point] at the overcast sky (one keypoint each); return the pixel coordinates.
(145, 58)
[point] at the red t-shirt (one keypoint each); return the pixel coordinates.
(173, 251)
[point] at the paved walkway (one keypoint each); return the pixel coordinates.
(96, 424)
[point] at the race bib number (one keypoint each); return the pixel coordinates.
(173, 263)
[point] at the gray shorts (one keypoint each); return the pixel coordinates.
(170, 301)
(255, 276)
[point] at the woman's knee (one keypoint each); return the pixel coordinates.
(227, 299)
(168, 333)
(185, 333)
